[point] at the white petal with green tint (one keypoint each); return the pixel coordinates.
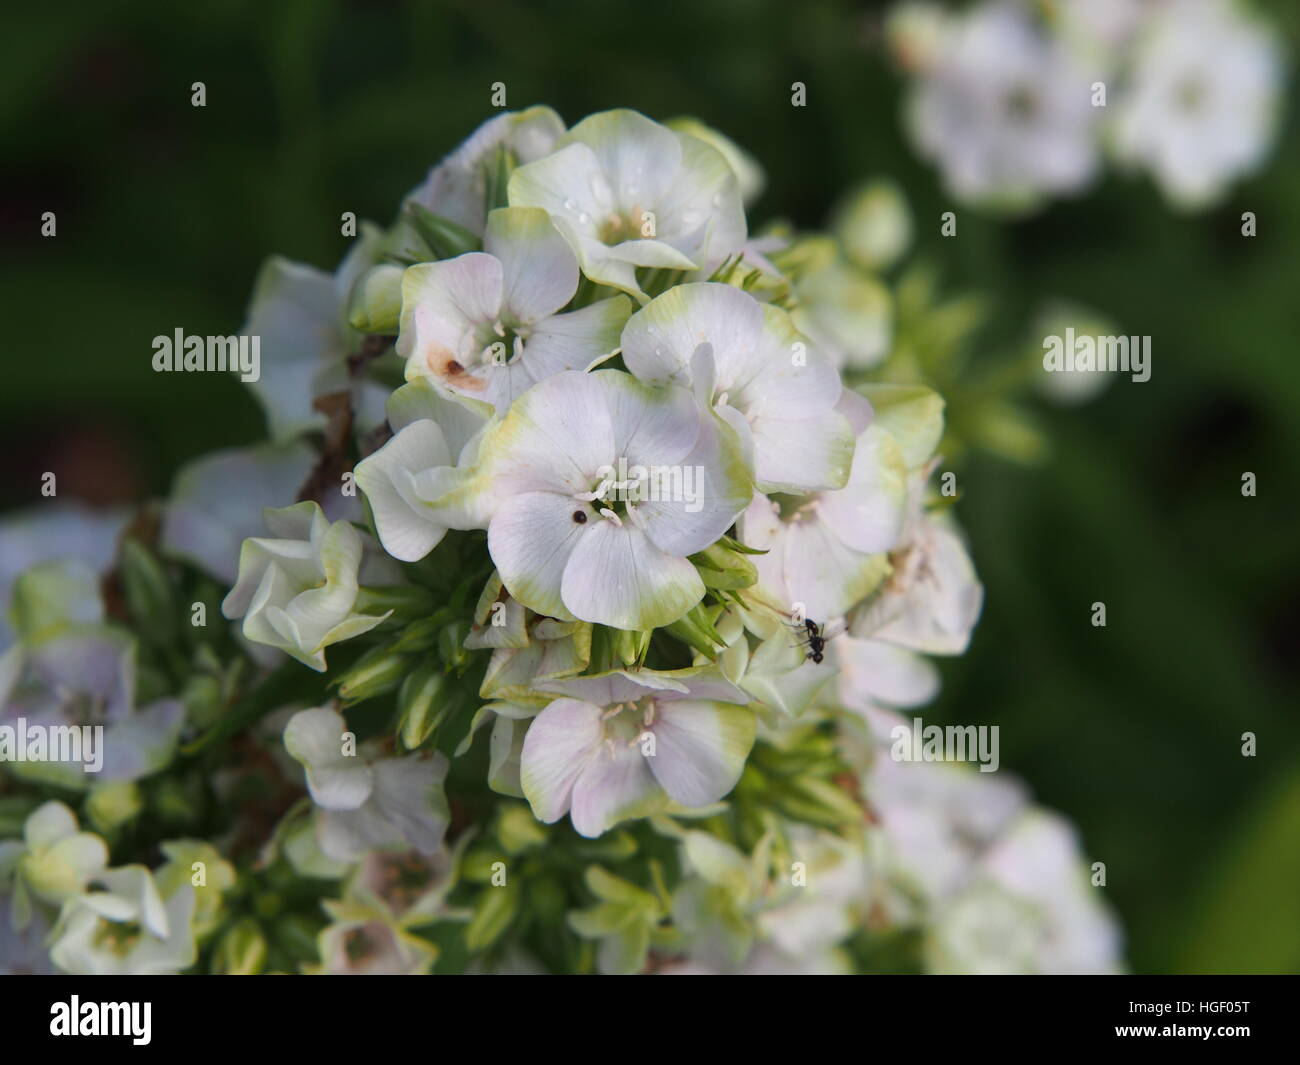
(408, 528)
(617, 577)
(560, 742)
(700, 749)
(532, 538)
(867, 514)
(539, 269)
(337, 781)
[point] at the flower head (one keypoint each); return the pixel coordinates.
(595, 488)
(627, 192)
(746, 361)
(621, 745)
(298, 591)
(487, 324)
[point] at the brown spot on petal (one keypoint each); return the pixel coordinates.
(444, 365)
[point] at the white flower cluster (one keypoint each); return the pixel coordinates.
(633, 507)
(1015, 105)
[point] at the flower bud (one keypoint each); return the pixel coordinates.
(375, 304)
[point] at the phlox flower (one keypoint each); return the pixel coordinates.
(1202, 106)
(121, 925)
(627, 192)
(825, 550)
(595, 488)
(298, 590)
(1003, 109)
(487, 324)
(434, 432)
(365, 803)
(456, 189)
(622, 745)
(747, 361)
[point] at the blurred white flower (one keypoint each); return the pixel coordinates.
(1202, 106)
(122, 926)
(217, 502)
(366, 803)
(1029, 908)
(1004, 110)
(300, 315)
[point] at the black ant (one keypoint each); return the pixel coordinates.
(814, 638)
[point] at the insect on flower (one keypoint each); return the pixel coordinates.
(815, 636)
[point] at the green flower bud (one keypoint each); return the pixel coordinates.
(496, 910)
(241, 951)
(518, 830)
(407, 602)
(421, 705)
(376, 673)
(148, 593)
(444, 239)
(375, 304)
(697, 631)
(112, 804)
(721, 567)
(874, 225)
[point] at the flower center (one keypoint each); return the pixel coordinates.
(636, 224)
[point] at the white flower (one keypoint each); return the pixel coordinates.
(217, 502)
(1003, 110)
(358, 943)
(366, 804)
(847, 312)
(626, 192)
(595, 488)
(746, 361)
(299, 314)
(85, 676)
(1028, 909)
(1201, 110)
(748, 171)
(51, 532)
(122, 926)
(298, 592)
(825, 550)
(933, 598)
(434, 434)
(56, 860)
(621, 745)
(487, 324)
(456, 189)
(936, 819)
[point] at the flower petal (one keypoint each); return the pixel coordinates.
(616, 576)
(700, 749)
(560, 742)
(540, 271)
(532, 538)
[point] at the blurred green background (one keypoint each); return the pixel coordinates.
(314, 108)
